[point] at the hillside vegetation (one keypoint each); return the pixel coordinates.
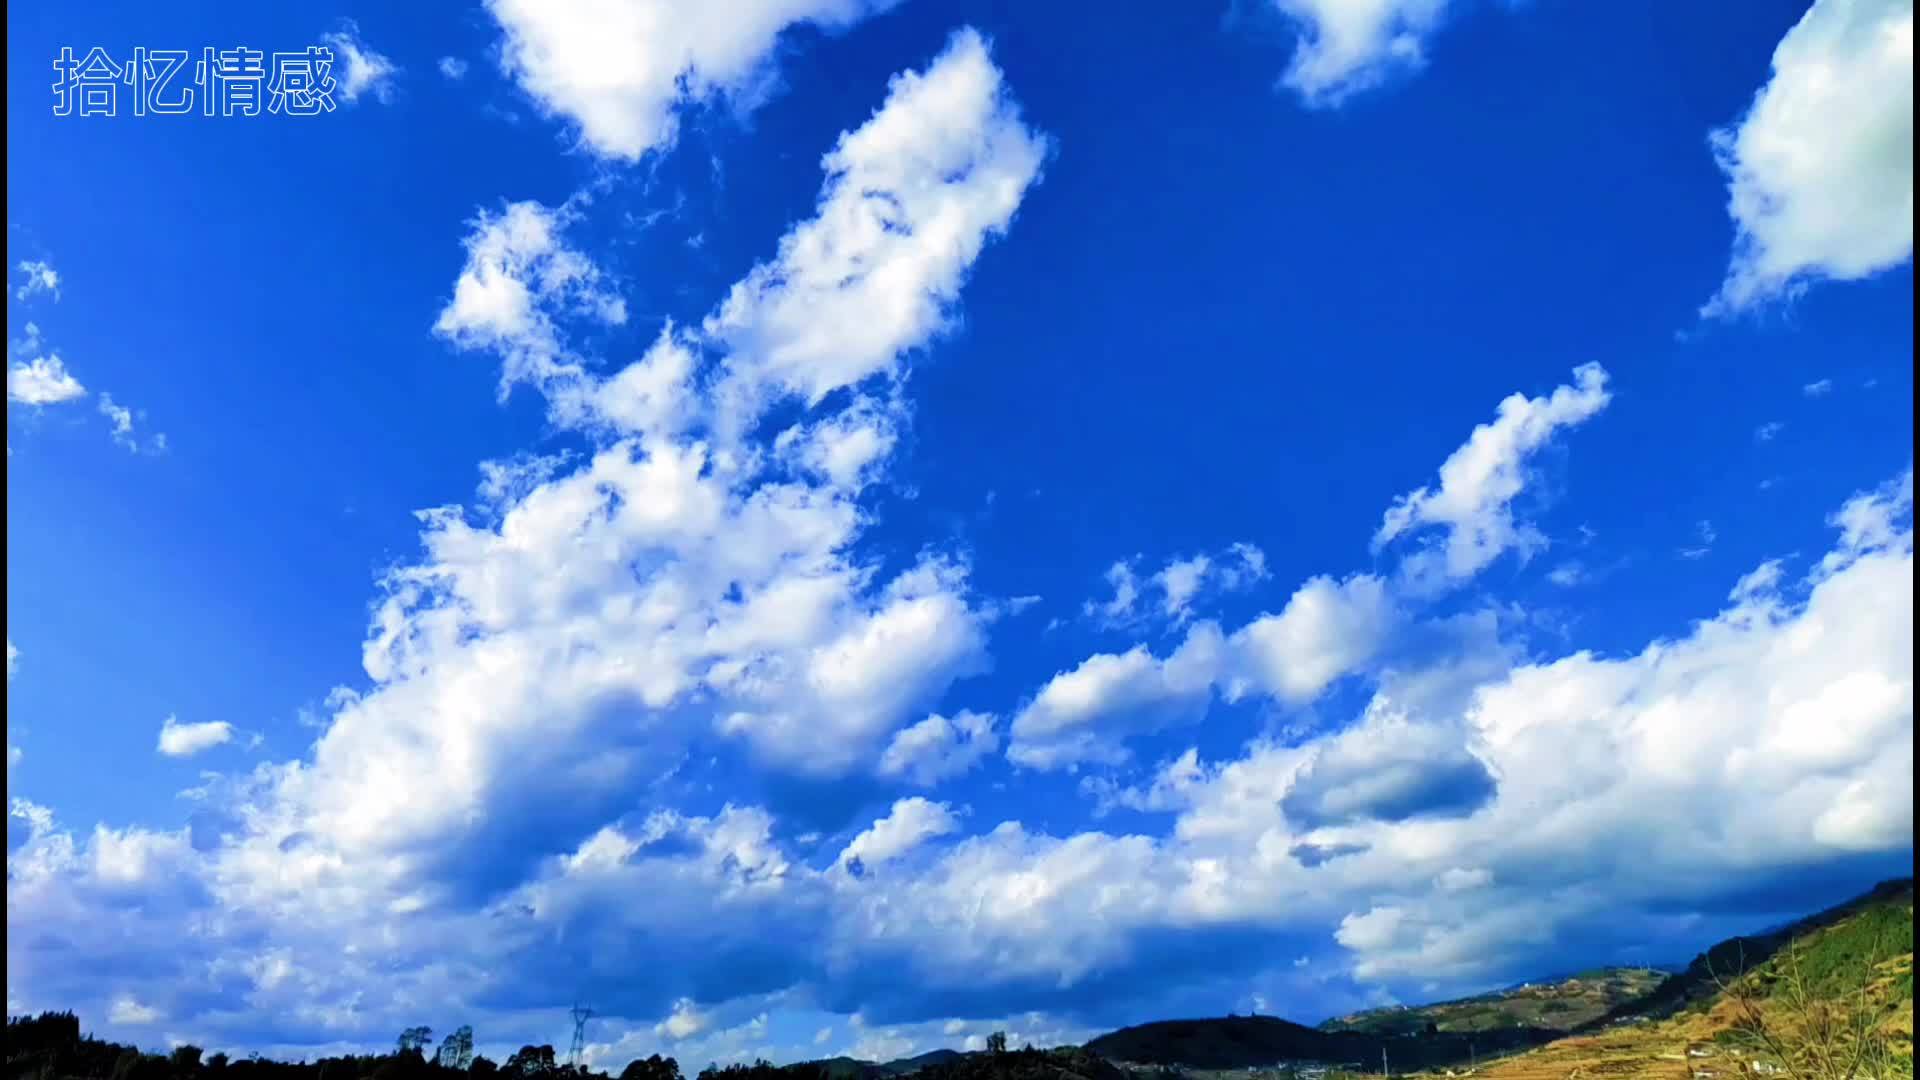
(1827, 998)
(1561, 1005)
(1856, 958)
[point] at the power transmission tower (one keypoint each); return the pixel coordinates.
(580, 1016)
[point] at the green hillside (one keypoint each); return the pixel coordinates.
(1883, 915)
(1622, 1011)
(1562, 1005)
(1828, 997)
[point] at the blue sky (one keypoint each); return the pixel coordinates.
(952, 517)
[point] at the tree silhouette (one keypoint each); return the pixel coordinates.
(456, 1050)
(415, 1039)
(653, 1068)
(530, 1061)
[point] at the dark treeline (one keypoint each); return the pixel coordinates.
(51, 1047)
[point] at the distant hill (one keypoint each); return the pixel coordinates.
(1834, 944)
(1562, 1004)
(1240, 1042)
(846, 1068)
(902, 1066)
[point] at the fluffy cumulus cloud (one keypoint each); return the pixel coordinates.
(680, 584)
(676, 584)
(1347, 46)
(44, 380)
(1086, 714)
(519, 278)
(910, 823)
(1422, 846)
(1820, 169)
(1326, 630)
(554, 680)
(937, 748)
(185, 740)
(621, 69)
(874, 272)
(1473, 506)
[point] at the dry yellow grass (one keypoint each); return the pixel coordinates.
(1680, 1048)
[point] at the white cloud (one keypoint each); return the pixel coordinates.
(621, 69)
(453, 67)
(518, 273)
(1085, 714)
(912, 822)
(1820, 169)
(1326, 630)
(127, 1010)
(544, 662)
(1171, 788)
(911, 198)
(1871, 521)
(672, 586)
(937, 749)
(122, 419)
(185, 740)
(38, 276)
(686, 1021)
(1185, 580)
(1460, 879)
(1126, 593)
(1819, 388)
(1772, 738)
(1348, 46)
(1569, 574)
(1480, 480)
(358, 69)
(1179, 584)
(1768, 431)
(42, 381)
(844, 449)
(13, 660)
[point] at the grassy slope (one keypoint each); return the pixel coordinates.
(1557, 1006)
(1692, 1015)
(1616, 1032)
